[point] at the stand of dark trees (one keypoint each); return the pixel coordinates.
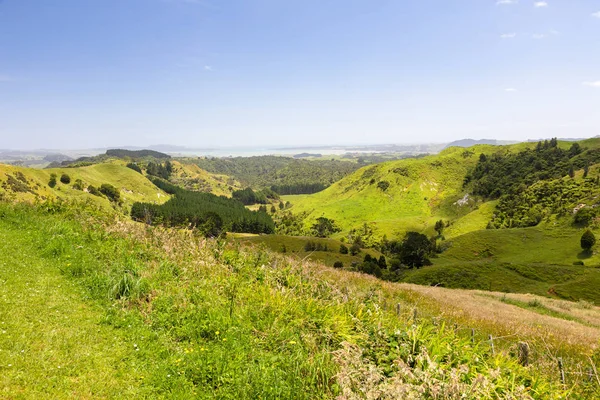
(206, 212)
(299, 188)
(161, 170)
(507, 173)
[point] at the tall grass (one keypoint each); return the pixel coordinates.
(212, 320)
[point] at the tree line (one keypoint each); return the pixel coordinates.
(210, 214)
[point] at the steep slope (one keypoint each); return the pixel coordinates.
(191, 177)
(396, 196)
(32, 184)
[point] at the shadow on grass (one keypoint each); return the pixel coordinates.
(584, 254)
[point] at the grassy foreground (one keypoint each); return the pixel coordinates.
(93, 308)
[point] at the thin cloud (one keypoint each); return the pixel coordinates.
(595, 84)
(208, 68)
(508, 35)
(538, 36)
(506, 2)
(539, 4)
(596, 14)
(5, 78)
(510, 90)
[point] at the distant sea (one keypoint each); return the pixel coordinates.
(264, 151)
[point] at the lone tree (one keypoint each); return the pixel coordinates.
(439, 227)
(588, 240)
(416, 249)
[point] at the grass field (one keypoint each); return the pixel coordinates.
(136, 312)
(294, 246)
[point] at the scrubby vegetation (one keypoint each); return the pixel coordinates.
(204, 211)
(283, 175)
(154, 313)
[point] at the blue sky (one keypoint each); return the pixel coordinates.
(92, 73)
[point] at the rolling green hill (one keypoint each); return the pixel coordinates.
(418, 192)
(399, 196)
(34, 186)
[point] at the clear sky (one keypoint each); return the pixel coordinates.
(92, 73)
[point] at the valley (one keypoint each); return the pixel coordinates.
(331, 264)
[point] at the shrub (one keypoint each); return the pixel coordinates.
(94, 190)
(578, 263)
(354, 249)
(383, 185)
(343, 249)
(134, 167)
(588, 240)
(52, 181)
(78, 185)
(584, 216)
(338, 264)
(66, 179)
(111, 192)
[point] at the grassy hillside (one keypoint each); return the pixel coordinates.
(132, 185)
(191, 177)
(398, 196)
(420, 190)
(295, 246)
(121, 310)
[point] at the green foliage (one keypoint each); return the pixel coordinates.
(226, 327)
(588, 240)
(299, 188)
(338, 265)
(66, 179)
(120, 153)
(283, 175)
(439, 227)
(343, 249)
(415, 250)
(529, 206)
(94, 190)
(78, 185)
(52, 181)
(160, 170)
(383, 185)
(248, 197)
(204, 211)
(355, 249)
(315, 246)
(134, 167)
(505, 173)
(111, 192)
(585, 216)
(324, 227)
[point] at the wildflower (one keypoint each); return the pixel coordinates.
(292, 342)
(217, 333)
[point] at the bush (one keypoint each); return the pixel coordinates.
(354, 249)
(343, 249)
(66, 179)
(94, 190)
(52, 181)
(78, 185)
(111, 192)
(584, 216)
(578, 263)
(338, 264)
(383, 185)
(134, 167)
(588, 240)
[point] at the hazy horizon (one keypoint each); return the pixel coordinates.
(207, 73)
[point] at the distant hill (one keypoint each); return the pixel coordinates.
(473, 142)
(134, 154)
